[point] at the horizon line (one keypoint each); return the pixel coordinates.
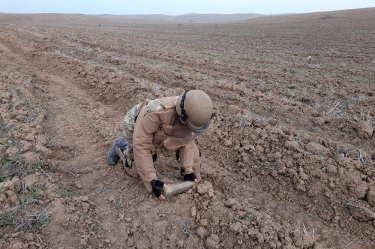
(24, 13)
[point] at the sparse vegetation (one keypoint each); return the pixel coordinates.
(10, 166)
(65, 193)
(249, 218)
(186, 230)
(24, 217)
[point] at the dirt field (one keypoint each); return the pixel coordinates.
(286, 161)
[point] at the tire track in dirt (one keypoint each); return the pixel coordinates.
(71, 127)
(76, 142)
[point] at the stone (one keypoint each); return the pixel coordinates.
(14, 199)
(246, 159)
(204, 222)
(83, 242)
(84, 198)
(364, 130)
(111, 198)
(259, 148)
(303, 176)
(180, 244)
(15, 235)
(360, 213)
(2, 148)
(30, 137)
(236, 227)
(260, 238)
(315, 148)
(304, 241)
(30, 180)
(371, 196)
(230, 202)
(361, 190)
(10, 194)
(201, 232)
(228, 143)
(319, 121)
(30, 157)
(204, 187)
(17, 245)
(331, 169)
(78, 185)
(213, 242)
(12, 150)
(15, 185)
(193, 211)
(291, 145)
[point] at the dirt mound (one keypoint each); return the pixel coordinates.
(287, 161)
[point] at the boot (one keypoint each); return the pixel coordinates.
(112, 157)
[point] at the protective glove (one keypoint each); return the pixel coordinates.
(154, 157)
(190, 177)
(157, 186)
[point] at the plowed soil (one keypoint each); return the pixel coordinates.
(288, 160)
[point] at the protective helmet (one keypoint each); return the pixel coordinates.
(195, 109)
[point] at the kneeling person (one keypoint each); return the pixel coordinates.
(168, 125)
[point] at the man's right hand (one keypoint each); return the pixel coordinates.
(191, 177)
(157, 186)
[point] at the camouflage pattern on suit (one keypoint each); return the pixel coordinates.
(154, 105)
(128, 130)
(128, 124)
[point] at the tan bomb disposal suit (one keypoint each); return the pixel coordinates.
(157, 129)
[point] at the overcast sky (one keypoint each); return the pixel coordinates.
(177, 7)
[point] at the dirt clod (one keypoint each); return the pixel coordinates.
(371, 196)
(212, 242)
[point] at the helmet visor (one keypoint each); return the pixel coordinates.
(195, 129)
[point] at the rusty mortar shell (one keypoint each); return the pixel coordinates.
(177, 188)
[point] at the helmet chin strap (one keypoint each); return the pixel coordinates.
(182, 106)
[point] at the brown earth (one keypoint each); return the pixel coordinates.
(199, 18)
(63, 20)
(117, 20)
(53, 19)
(287, 161)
